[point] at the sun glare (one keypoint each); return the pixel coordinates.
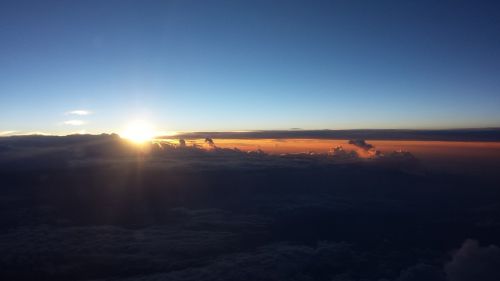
(139, 132)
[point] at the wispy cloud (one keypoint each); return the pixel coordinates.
(74, 122)
(79, 112)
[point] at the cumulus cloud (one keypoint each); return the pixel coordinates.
(365, 149)
(210, 142)
(340, 152)
(361, 144)
(79, 112)
(473, 262)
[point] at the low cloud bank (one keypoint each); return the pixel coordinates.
(30, 151)
(89, 207)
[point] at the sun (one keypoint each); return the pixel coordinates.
(139, 132)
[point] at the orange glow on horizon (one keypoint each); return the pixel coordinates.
(425, 149)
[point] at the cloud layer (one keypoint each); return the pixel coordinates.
(86, 207)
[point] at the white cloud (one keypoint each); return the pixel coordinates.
(74, 122)
(80, 112)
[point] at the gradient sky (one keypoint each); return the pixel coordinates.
(243, 65)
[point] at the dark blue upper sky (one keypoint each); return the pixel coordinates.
(241, 65)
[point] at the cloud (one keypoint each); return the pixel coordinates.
(421, 272)
(364, 149)
(33, 133)
(94, 149)
(182, 143)
(79, 112)
(210, 142)
(79, 132)
(487, 134)
(6, 133)
(277, 261)
(340, 152)
(103, 249)
(180, 212)
(142, 250)
(361, 144)
(75, 122)
(473, 262)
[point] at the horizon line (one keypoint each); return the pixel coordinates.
(489, 134)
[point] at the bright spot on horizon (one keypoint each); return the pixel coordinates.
(138, 132)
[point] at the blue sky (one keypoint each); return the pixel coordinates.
(248, 65)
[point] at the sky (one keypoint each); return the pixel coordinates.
(96, 66)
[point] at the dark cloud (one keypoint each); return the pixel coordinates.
(282, 261)
(66, 252)
(340, 152)
(182, 143)
(86, 150)
(210, 142)
(485, 134)
(473, 262)
(100, 208)
(422, 272)
(361, 144)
